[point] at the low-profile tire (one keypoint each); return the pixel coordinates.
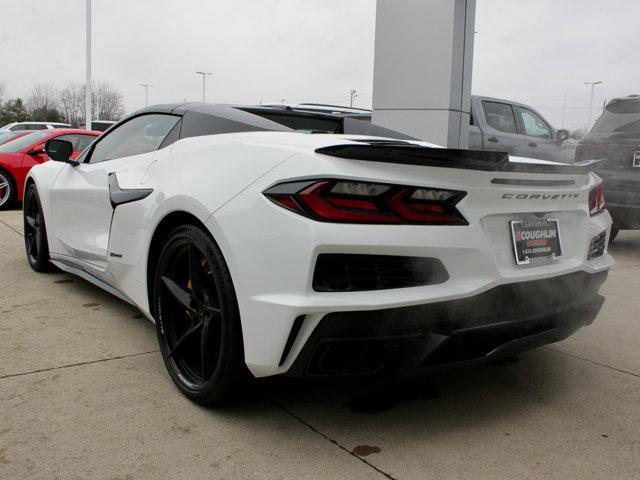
(197, 318)
(35, 231)
(615, 230)
(7, 190)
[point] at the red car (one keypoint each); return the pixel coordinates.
(19, 154)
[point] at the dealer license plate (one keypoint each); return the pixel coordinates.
(536, 240)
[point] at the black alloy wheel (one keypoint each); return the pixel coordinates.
(197, 318)
(35, 232)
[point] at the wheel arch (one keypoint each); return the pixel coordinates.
(169, 222)
(28, 182)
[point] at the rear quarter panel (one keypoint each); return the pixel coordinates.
(196, 175)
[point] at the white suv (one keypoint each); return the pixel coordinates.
(33, 126)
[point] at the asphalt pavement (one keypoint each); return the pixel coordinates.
(84, 394)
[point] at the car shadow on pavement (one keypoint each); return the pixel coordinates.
(457, 400)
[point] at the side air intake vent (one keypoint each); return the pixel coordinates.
(352, 273)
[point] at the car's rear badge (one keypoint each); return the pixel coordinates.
(636, 158)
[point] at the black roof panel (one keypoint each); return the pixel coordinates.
(209, 118)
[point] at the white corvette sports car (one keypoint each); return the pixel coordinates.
(279, 241)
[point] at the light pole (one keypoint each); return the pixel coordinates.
(204, 76)
(146, 92)
(352, 94)
(593, 84)
(87, 89)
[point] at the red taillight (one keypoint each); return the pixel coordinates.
(362, 202)
(597, 203)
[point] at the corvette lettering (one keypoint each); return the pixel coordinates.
(540, 196)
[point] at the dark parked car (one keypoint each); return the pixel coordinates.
(101, 125)
(616, 138)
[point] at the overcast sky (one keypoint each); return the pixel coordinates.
(314, 50)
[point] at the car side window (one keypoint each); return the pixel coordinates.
(79, 142)
(500, 116)
(141, 134)
(533, 124)
(16, 128)
(84, 141)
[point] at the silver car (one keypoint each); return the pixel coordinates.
(507, 126)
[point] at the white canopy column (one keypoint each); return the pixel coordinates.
(422, 72)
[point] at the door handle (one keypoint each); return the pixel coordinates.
(532, 144)
(492, 139)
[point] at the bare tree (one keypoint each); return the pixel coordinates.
(107, 99)
(43, 100)
(72, 103)
(106, 102)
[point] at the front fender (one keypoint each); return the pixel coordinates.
(44, 176)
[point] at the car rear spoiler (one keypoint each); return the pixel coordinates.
(409, 154)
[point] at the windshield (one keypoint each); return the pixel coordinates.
(14, 146)
(6, 136)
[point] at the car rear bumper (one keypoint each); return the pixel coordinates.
(274, 254)
(623, 201)
(402, 341)
(626, 217)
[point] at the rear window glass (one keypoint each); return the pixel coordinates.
(621, 122)
(500, 116)
(622, 116)
(303, 124)
(14, 146)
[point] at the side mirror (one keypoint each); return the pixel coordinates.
(60, 151)
(37, 150)
(562, 135)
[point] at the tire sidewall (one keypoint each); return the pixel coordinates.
(228, 305)
(12, 190)
(42, 263)
(615, 230)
